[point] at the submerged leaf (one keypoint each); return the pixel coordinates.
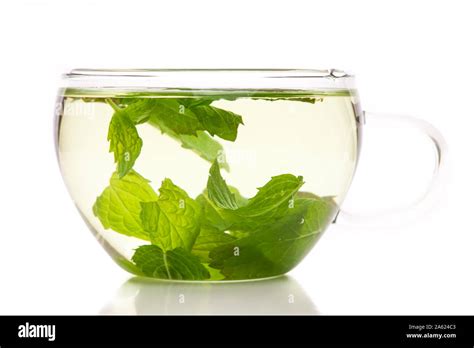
(177, 264)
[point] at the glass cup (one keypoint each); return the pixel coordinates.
(211, 175)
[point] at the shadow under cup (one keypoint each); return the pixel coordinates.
(208, 175)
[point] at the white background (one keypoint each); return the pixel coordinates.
(409, 56)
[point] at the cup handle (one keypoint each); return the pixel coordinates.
(416, 206)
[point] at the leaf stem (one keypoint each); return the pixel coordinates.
(165, 261)
(112, 104)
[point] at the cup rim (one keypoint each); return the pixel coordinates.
(208, 79)
(266, 73)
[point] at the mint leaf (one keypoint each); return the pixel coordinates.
(204, 146)
(200, 143)
(124, 142)
(218, 122)
(175, 116)
(150, 216)
(228, 212)
(215, 274)
(118, 207)
(304, 100)
(213, 216)
(239, 199)
(186, 117)
(193, 102)
(279, 190)
(173, 220)
(278, 247)
(243, 260)
(177, 264)
(166, 112)
(138, 110)
(210, 238)
(199, 100)
(218, 191)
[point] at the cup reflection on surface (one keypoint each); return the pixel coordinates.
(282, 295)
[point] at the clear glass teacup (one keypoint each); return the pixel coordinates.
(209, 175)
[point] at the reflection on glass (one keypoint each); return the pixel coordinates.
(282, 295)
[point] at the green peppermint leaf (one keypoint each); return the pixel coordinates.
(218, 191)
(239, 199)
(304, 100)
(125, 142)
(278, 191)
(218, 122)
(276, 248)
(210, 238)
(193, 102)
(182, 116)
(228, 212)
(173, 220)
(213, 216)
(167, 112)
(201, 143)
(118, 207)
(175, 116)
(138, 110)
(177, 264)
(204, 146)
